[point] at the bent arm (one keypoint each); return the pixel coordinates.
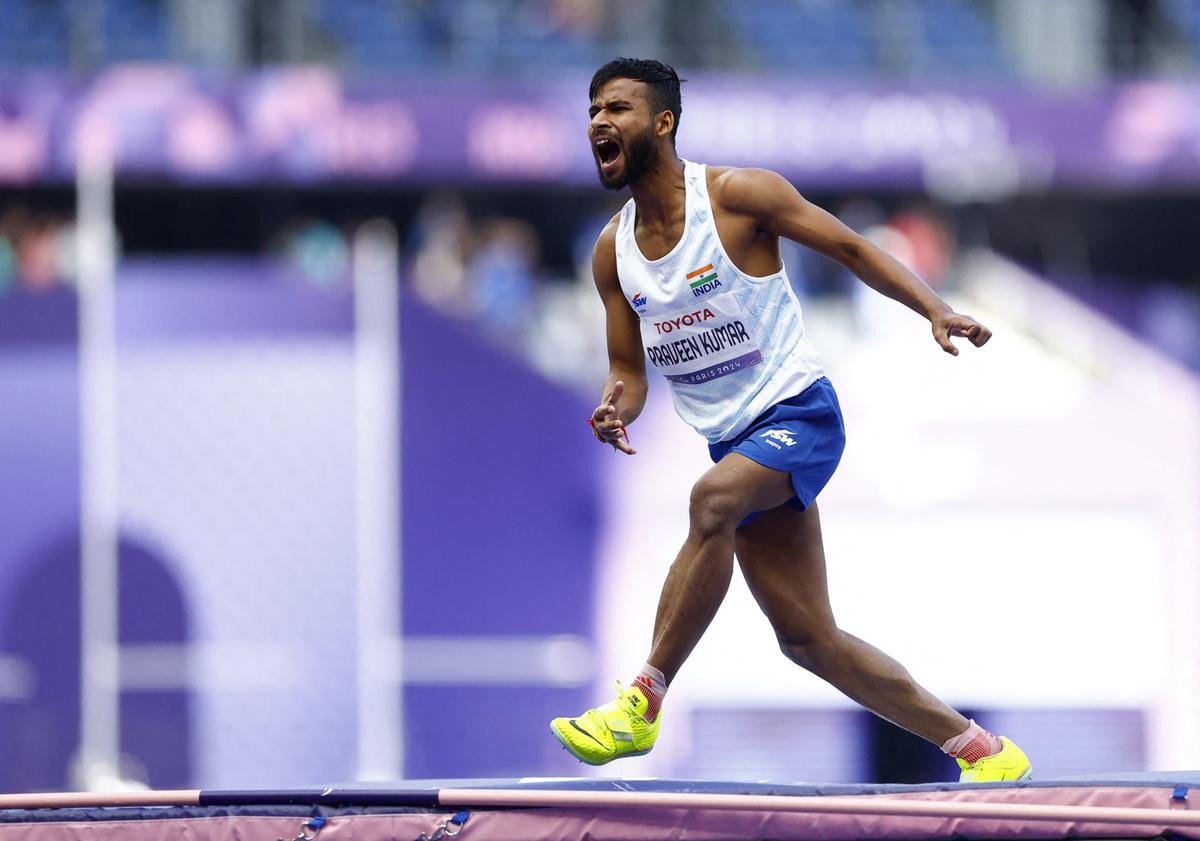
(778, 208)
(626, 356)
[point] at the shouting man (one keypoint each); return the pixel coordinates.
(691, 278)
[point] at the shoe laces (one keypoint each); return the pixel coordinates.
(596, 717)
(623, 705)
(625, 699)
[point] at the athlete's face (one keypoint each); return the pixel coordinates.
(624, 142)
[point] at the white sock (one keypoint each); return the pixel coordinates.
(653, 684)
(973, 744)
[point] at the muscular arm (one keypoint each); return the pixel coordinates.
(626, 357)
(777, 208)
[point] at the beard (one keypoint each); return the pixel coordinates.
(641, 153)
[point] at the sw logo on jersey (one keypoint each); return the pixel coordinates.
(706, 280)
(771, 436)
(639, 301)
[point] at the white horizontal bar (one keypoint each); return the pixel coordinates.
(88, 799)
(565, 660)
(223, 664)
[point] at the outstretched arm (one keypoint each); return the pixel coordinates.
(624, 394)
(778, 208)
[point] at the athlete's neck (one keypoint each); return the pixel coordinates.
(659, 194)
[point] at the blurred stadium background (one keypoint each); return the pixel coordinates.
(297, 338)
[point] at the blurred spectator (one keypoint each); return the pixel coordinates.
(37, 254)
(8, 263)
(567, 340)
(318, 249)
(439, 241)
(919, 238)
(815, 276)
(930, 243)
(502, 273)
(577, 21)
(36, 249)
(490, 271)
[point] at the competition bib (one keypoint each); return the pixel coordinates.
(702, 343)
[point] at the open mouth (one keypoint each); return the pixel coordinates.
(608, 151)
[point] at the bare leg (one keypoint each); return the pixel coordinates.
(783, 559)
(699, 578)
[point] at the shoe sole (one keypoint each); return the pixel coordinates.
(1027, 774)
(567, 747)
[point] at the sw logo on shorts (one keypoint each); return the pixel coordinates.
(771, 436)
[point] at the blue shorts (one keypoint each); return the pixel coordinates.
(803, 435)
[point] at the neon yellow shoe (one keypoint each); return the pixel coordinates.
(609, 732)
(1009, 765)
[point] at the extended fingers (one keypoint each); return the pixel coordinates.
(610, 400)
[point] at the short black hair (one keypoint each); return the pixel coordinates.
(661, 79)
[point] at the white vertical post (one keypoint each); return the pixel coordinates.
(1174, 728)
(378, 501)
(99, 690)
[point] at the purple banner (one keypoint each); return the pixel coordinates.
(307, 124)
(718, 370)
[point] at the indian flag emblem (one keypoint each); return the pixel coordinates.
(703, 280)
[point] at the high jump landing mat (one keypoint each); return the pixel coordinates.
(1160, 805)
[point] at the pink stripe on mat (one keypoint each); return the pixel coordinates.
(857, 805)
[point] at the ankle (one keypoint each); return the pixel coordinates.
(973, 744)
(653, 685)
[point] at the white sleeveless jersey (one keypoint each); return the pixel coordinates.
(731, 345)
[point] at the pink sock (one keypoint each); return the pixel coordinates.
(654, 686)
(973, 744)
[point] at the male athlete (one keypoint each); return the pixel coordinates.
(690, 276)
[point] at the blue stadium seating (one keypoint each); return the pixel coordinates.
(952, 38)
(136, 30)
(913, 39)
(1184, 18)
(818, 37)
(35, 34)
(376, 34)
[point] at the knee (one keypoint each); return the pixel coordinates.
(811, 648)
(713, 508)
